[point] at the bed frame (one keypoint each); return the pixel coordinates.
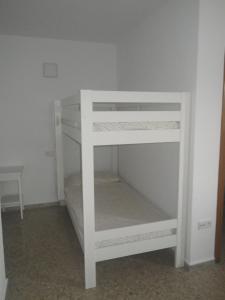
(79, 110)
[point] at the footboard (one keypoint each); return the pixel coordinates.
(136, 239)
(132, 118)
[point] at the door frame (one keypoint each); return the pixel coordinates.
(221, 182)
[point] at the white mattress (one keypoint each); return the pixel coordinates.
(116, 205)
(100, 178)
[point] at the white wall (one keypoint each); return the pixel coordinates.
(160, 55)
(3, 281)
(26, 127)
(182, 48)
(211, 45)
(153, 170)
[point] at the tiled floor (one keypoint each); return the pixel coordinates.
(44, 261)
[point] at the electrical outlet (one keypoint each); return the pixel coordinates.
(204, 224)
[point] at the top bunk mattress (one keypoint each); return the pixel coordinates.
(116, 204)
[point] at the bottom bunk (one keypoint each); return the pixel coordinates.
(126, 222)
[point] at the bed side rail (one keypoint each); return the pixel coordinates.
(139, 246)
(71, 100)
(71, 117)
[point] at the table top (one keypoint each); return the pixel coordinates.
(11, 169)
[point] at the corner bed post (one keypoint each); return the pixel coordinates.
(87, 159)
(59, 151)
(182, 181)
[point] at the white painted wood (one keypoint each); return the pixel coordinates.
(181, 206)
(114, 151)
(186, 207)
(135, 248)
(71, 116)
(75, 222)
(4, 289)
(14, 173)
(59, 151)
(3, 279)
(70, 123)
(71, 132)
(71, 100)
(67, 125)
(20, 197)
(134, 230)
(114, 159)
(134, 97)
(87, 159)
(136, 116)
(135, 137)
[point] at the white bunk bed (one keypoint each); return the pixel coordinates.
(111, 219)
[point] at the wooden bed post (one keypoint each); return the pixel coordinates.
(114, 154)
(114, 158)
(87, 160)
(59, 151)
(182, 182)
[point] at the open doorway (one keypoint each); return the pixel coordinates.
(220, 220)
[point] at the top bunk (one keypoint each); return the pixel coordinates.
(119, 117)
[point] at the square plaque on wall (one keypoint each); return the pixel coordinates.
(50, 70)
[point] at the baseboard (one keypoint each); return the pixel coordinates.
(62, 202)
(199, 262)
(33, 206)
(4, 290)
(42, 205)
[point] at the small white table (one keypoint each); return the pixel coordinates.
(13, 173)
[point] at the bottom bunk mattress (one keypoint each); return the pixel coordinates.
(117, 205)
